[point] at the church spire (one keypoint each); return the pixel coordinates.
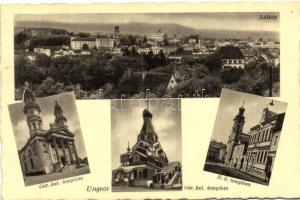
(60, 119)
(128, 148)
(32, 111)
(242, 109)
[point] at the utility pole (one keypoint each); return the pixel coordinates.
(270, 80)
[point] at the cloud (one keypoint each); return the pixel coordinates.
(67, 103)
(126, 126)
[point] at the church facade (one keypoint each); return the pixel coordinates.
(254, 152)
(146, 163)
(46, 151)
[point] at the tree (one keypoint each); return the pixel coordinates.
(231, 75)
(46, 88)
(145, 39)
(191, 86)
(179, 50)
(162, 58)
(43, 60)
(213, 61)
(148, 59)
(200, 71)
(25, 71)
(126, 52)
(85, 47)
(55, 40)
(83, 34)
(20, 38)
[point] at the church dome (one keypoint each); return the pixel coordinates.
(28, 94)
(57, 107)
(147, 113)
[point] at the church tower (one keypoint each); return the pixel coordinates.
(237, 129)
(117, 32)
(60, 119)
(147, 132)
(33, 112)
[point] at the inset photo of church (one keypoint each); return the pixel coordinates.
(245, 137)
(146, 145)
(48, 137)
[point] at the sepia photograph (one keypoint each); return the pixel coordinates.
(146, 145)
(121, 55)
(48, 137)
(245, 137)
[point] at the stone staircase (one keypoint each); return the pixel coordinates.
(64, 167)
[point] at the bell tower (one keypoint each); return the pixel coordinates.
(60, 119)
(32, 111)
(237, 129)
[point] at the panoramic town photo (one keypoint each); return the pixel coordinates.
(48, 137)
(245, 137)
(121, 55)
(146, 145)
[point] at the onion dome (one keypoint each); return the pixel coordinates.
(29, 100)
(147, 114)
(59, 115)
(128, 148)
(242, 109)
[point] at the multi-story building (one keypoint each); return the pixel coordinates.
(263, 143)
(105, 41)
(42, 50)
(232, 57)
(80, 42)
(216, 151)
(46, 151)
(157, 36)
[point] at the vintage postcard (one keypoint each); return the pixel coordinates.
(48, 137)
(245, 136)
(121, 55)
(119, 101)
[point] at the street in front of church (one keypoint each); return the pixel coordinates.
(245, 137)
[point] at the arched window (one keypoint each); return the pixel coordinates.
(140, 174)
(32, 164)
(25, 165)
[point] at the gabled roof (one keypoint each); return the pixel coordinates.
(244, 138)
(84, 39)
(170, 167)
(154, 80)
(230, 52)
(279, 122)
(217, 145)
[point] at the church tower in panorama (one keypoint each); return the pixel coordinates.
(237, 129)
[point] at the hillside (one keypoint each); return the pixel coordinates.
(145, 28)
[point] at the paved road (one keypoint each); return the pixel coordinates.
(227, 171)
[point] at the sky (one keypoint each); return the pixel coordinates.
(66, 102)
(127, 121)
(229, 106)
(218, 20)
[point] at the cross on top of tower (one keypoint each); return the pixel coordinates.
(128, 148)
